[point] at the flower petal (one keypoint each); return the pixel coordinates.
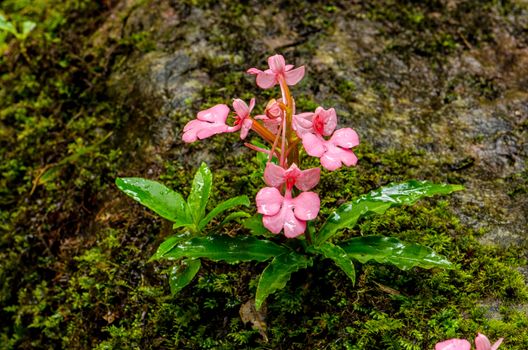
(302, 123)
(266, 80)
(216, 114)
(246, 126)
(269, 201)
(497, 344)
(333, 158)
(274, 175)
(346, 138)
(313, 145)
(253, 71)
(307, 205)
(197, 129)
(294, 76)
(251, 104)
(241, 108)
(210, 130)
(482, 342)
(274, 223)
(453, 344)
(277, 63)
(330, 122)
(293, 227)
(308, 179)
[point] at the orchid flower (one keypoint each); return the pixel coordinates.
(209, 122)
(243, 120)
(333, 153)
(481, 342)
(212, 121)
(273, 114)
(287, 213)
(453, 344)
(283, 207)
(278, 70)
(304, 180)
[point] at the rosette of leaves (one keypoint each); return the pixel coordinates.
(189, 215)
(294, 255)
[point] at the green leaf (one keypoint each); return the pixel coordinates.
(199, 196)
(393, 251)
(255, 225)
(7, 26)
(225, 248)
(225, 205)
(278, 273)
(340, 258)
(157, 197)
(167, 245)
(378, 201)
(27, 27)
(183, 273)
(234, 216)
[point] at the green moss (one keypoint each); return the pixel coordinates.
(74, 253)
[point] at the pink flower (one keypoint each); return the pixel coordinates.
(322, 122)
(243, 121)
(482, 343)
(207, 123)
(278, 70)
(312, 127)
(212, 121)
(304, 180)
(287, 213)
(453, 344)
(273, 115)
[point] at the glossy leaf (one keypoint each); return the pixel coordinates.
(199, 196)
(220, 208)
(234, 216)
(225, 248)
(157, 197)
(255, 225)
(167, 245)
(377, 202)
(183, 274)
(393, 251)
(340, 258)
(278, 273)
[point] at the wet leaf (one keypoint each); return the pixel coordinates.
(199, 196)
(377, 202)
(340, 258)
(389, 250)
(278, 273)
(255, 225)
(168, 244)
(220, 208)
(157, 197)
(183, 274)
(225, 248)
(234, 216)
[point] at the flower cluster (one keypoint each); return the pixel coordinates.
(287, 203)
(481, 342)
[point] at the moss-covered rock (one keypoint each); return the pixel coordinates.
(436, 90)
